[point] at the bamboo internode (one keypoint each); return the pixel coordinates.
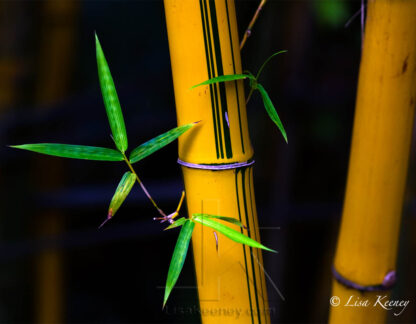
(203, 43)
(368, 239)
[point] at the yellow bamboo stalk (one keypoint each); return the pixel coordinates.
(10, 61)
(9, 70)
(54, 77)
(203, 43)
(367, 245)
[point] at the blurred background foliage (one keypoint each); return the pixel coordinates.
(54, 261)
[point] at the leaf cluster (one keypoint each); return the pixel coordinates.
(119, 135)
(254, 85)
(182, 244)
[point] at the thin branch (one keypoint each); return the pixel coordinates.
(249, 95)
(360, 12)
(348, 23)
(252, 22)
(143, 187)
(362, 22)
(170, 217)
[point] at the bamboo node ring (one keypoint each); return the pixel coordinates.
(387, 284)
(216, 167)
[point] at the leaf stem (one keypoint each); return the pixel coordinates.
(143, 187)
(252, 22)
(249, 95)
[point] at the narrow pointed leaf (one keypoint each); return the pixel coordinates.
(111, 102)
(73, 151)
(178, 257)
(224, 78)
(267, 61)
(122, 191)
(178, 222)
(271, 110)
(224, 218)
(229, 232)
(158, 142)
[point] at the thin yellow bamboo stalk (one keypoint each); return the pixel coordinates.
(54, 77)
(367, 245)
(203, 43)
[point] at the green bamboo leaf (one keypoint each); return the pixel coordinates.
(224, 78)
(224, 218)
(73, 151)
(178, 257)
(158, 142)
(229, 232)
(111, 102)
(267, 61)
(178, 222)
(271, 110)
(121, 193)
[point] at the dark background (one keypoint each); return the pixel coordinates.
(111, 275)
